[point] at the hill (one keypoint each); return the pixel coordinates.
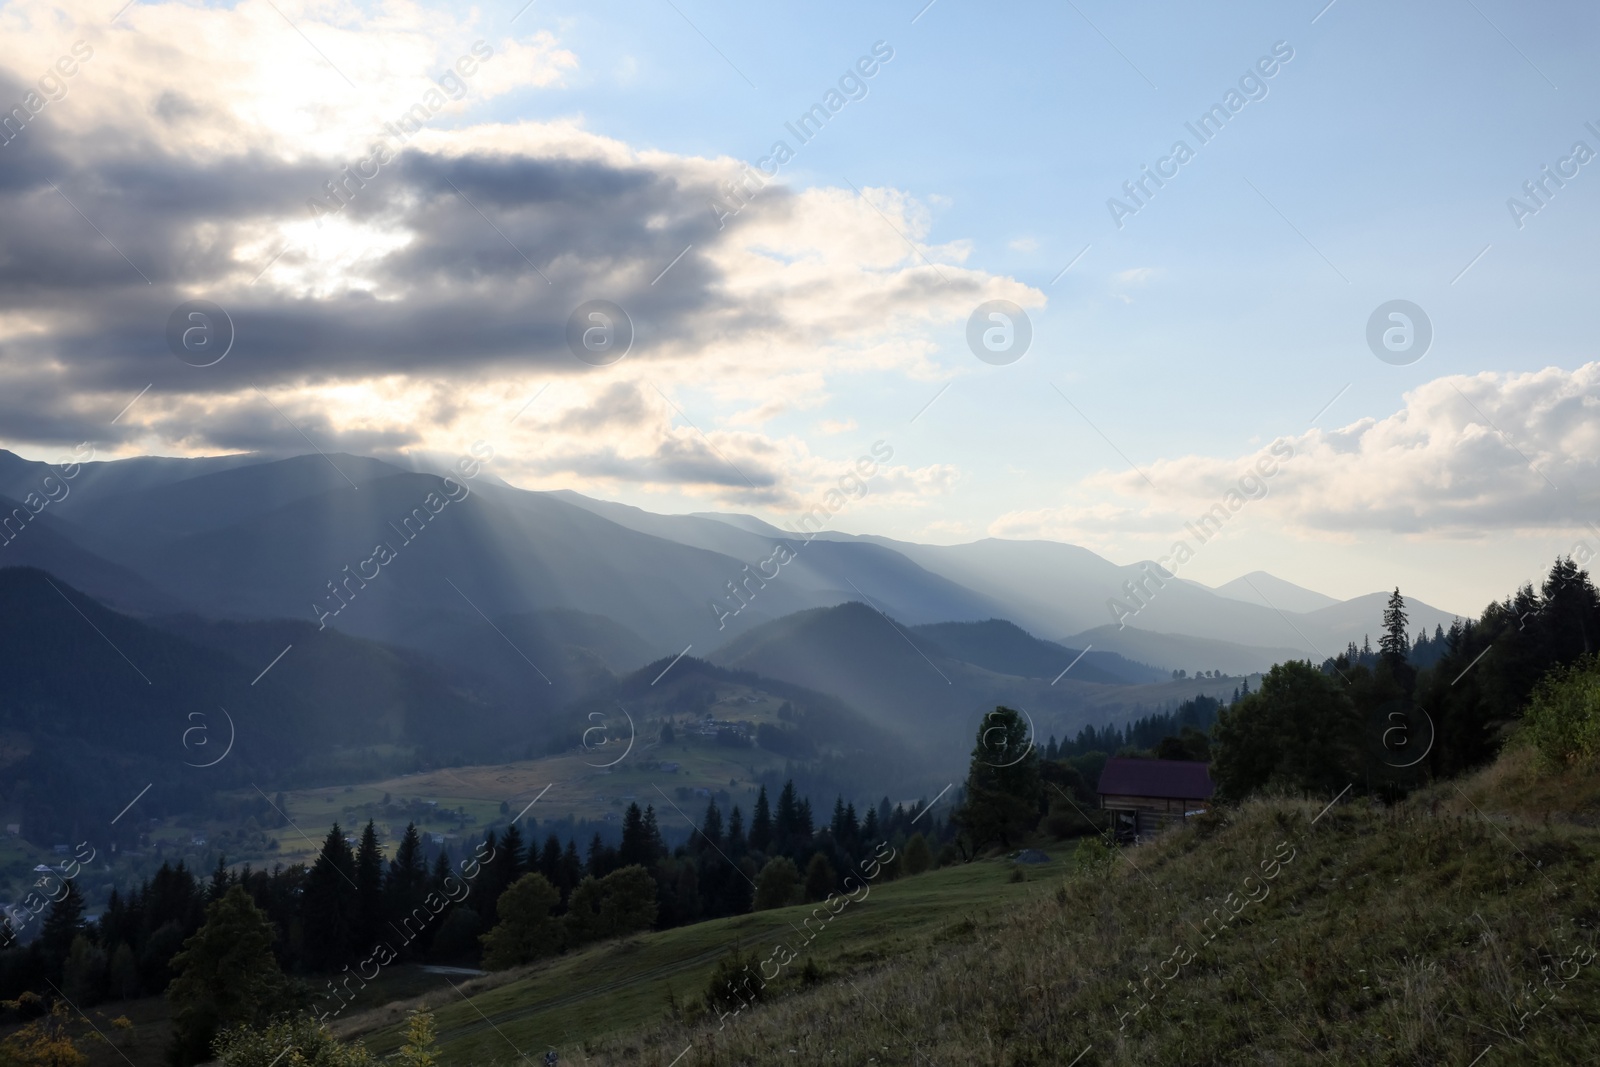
(96, 705)
(1005, 648)
(1281, 932)
(931, 699)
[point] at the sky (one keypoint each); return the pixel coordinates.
(780, 297)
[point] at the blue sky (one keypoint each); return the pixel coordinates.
(1228, 312)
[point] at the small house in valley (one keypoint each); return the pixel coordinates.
(1145, 796)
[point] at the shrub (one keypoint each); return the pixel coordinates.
(1562, 720)
(525, 930)
(1092, 855)
(736, 983)
(917, 856)
(775, 885)
(820, 878)
(313, 1044)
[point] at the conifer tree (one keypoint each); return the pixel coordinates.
(369, 889)
(1393, 645)
(329, 908)
(761, 823)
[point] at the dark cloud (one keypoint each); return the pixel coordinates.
(503, 248)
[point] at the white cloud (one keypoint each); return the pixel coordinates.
(759, 318)
(1465, 455)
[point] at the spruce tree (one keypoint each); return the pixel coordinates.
(406, 886)
(635, 848)
(572, 870)
(62, 924)
(1393, 645)
(652, 835)
(550, 860)
(329, 908)
(761, 823)
(786, 821)
(369, 889)
(219, 880)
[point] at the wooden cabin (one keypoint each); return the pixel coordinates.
(1145, 796)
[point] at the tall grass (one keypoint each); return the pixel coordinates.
(1434, 932)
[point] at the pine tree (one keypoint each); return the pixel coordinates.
(62, 924)
(635, 849)
(369, 889)
(711, 826)
(406, 887)
(550, 860)
(1003, 786)
(786, 821)
(652, 835)
(736, 840)
(329, 908)
(761, 823)
(219, 880)
(441, 871)
(571, 870)
(1393, 645)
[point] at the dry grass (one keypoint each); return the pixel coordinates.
(1412, 935)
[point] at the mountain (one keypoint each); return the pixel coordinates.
(1005, 648)
(1052, 588)
(96, 705)
(928, 697)
(255, 537)
(1259, 587)
(823, 571)
(50, 543)
(1182, 652)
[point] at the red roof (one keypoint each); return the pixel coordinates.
(1177, 779)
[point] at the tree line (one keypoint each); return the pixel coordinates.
(1413, 710)
(332, 925)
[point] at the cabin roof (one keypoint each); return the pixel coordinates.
(1178, 779)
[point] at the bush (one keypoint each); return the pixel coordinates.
(820, 878)
(622, 902)
(1562, 720)
(1093, 855)
(314, 1046)
(736, 982)
(775, 885)
(917, 856)
(525, 931)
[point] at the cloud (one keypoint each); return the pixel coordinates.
(395, 285)
(1463, 456)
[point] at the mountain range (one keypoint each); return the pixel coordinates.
(358, 614)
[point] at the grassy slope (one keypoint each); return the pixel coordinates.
(1414, 935)
(571, 1000)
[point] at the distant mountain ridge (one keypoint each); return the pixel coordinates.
(255, 537)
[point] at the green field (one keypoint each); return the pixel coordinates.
(566, 1002)
(576, 788)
